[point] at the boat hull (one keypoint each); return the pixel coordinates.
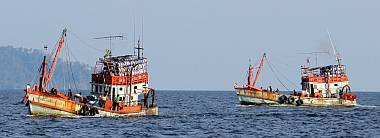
(309, 101)
(38, 110)
(248, 100)
(44, 105)
(256, 97)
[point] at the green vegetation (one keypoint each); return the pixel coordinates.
(19, 66)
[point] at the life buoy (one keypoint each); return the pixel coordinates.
(150, 94)
(85, 111)
(282, 99)
(299, 102)
(93, 111)
(346, 89)
(291, 100)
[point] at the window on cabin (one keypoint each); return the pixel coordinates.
(121, 89)
(335, 84)
(96, 88)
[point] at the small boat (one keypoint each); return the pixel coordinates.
(321, 86)
(119, 88)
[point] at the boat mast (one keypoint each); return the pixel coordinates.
(54, 63)
(43, 72)
(139, 48)
(250, 75)
(337, 56)
(259, 70)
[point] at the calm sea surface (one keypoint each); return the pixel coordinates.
(201, 114)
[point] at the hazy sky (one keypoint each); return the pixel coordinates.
(207, 44)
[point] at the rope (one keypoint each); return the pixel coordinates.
(35, 77)
(275, 74)
(84, 43)
(67, 66)
(70, 65)
(282, 74)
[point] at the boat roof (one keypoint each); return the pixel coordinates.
(325, 67)
(122, 58)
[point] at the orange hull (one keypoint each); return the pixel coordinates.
(58, 104)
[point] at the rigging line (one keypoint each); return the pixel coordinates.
(67, 67)
(282, 74)
(63, 70)
(35, 76)
(71, 69)
(49, 58)
(51, 55)
(275, 74)
(63, 63)
(284, 65)
(82, 41)
(72, 55)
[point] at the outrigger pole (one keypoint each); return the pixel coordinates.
(52, 68)
(259, 71)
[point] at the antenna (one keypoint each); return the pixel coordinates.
(110, 38)
(337, 57)
(316, 56)
(139, 49)
(142, 34)
(140, 43)
(134, 35)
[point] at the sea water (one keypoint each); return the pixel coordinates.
(201, 114)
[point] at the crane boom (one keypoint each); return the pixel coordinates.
(54, 63)
(259, 70)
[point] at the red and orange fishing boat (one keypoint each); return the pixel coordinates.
(119, 87)
(321, 86)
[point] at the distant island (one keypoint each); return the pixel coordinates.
(19, 66)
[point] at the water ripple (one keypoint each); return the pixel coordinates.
(200, 114)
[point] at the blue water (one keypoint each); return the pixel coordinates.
(201, 114)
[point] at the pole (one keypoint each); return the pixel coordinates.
(259, 70)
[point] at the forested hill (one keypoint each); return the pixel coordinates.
(19, 66)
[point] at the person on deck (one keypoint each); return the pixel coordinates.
(103, 99)
(115, 104)
(70, 94)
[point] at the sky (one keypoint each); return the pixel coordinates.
(207, 44)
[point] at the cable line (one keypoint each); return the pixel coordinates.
(275, 74)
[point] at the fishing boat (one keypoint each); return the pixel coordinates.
(321, 86)
(119, 87)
